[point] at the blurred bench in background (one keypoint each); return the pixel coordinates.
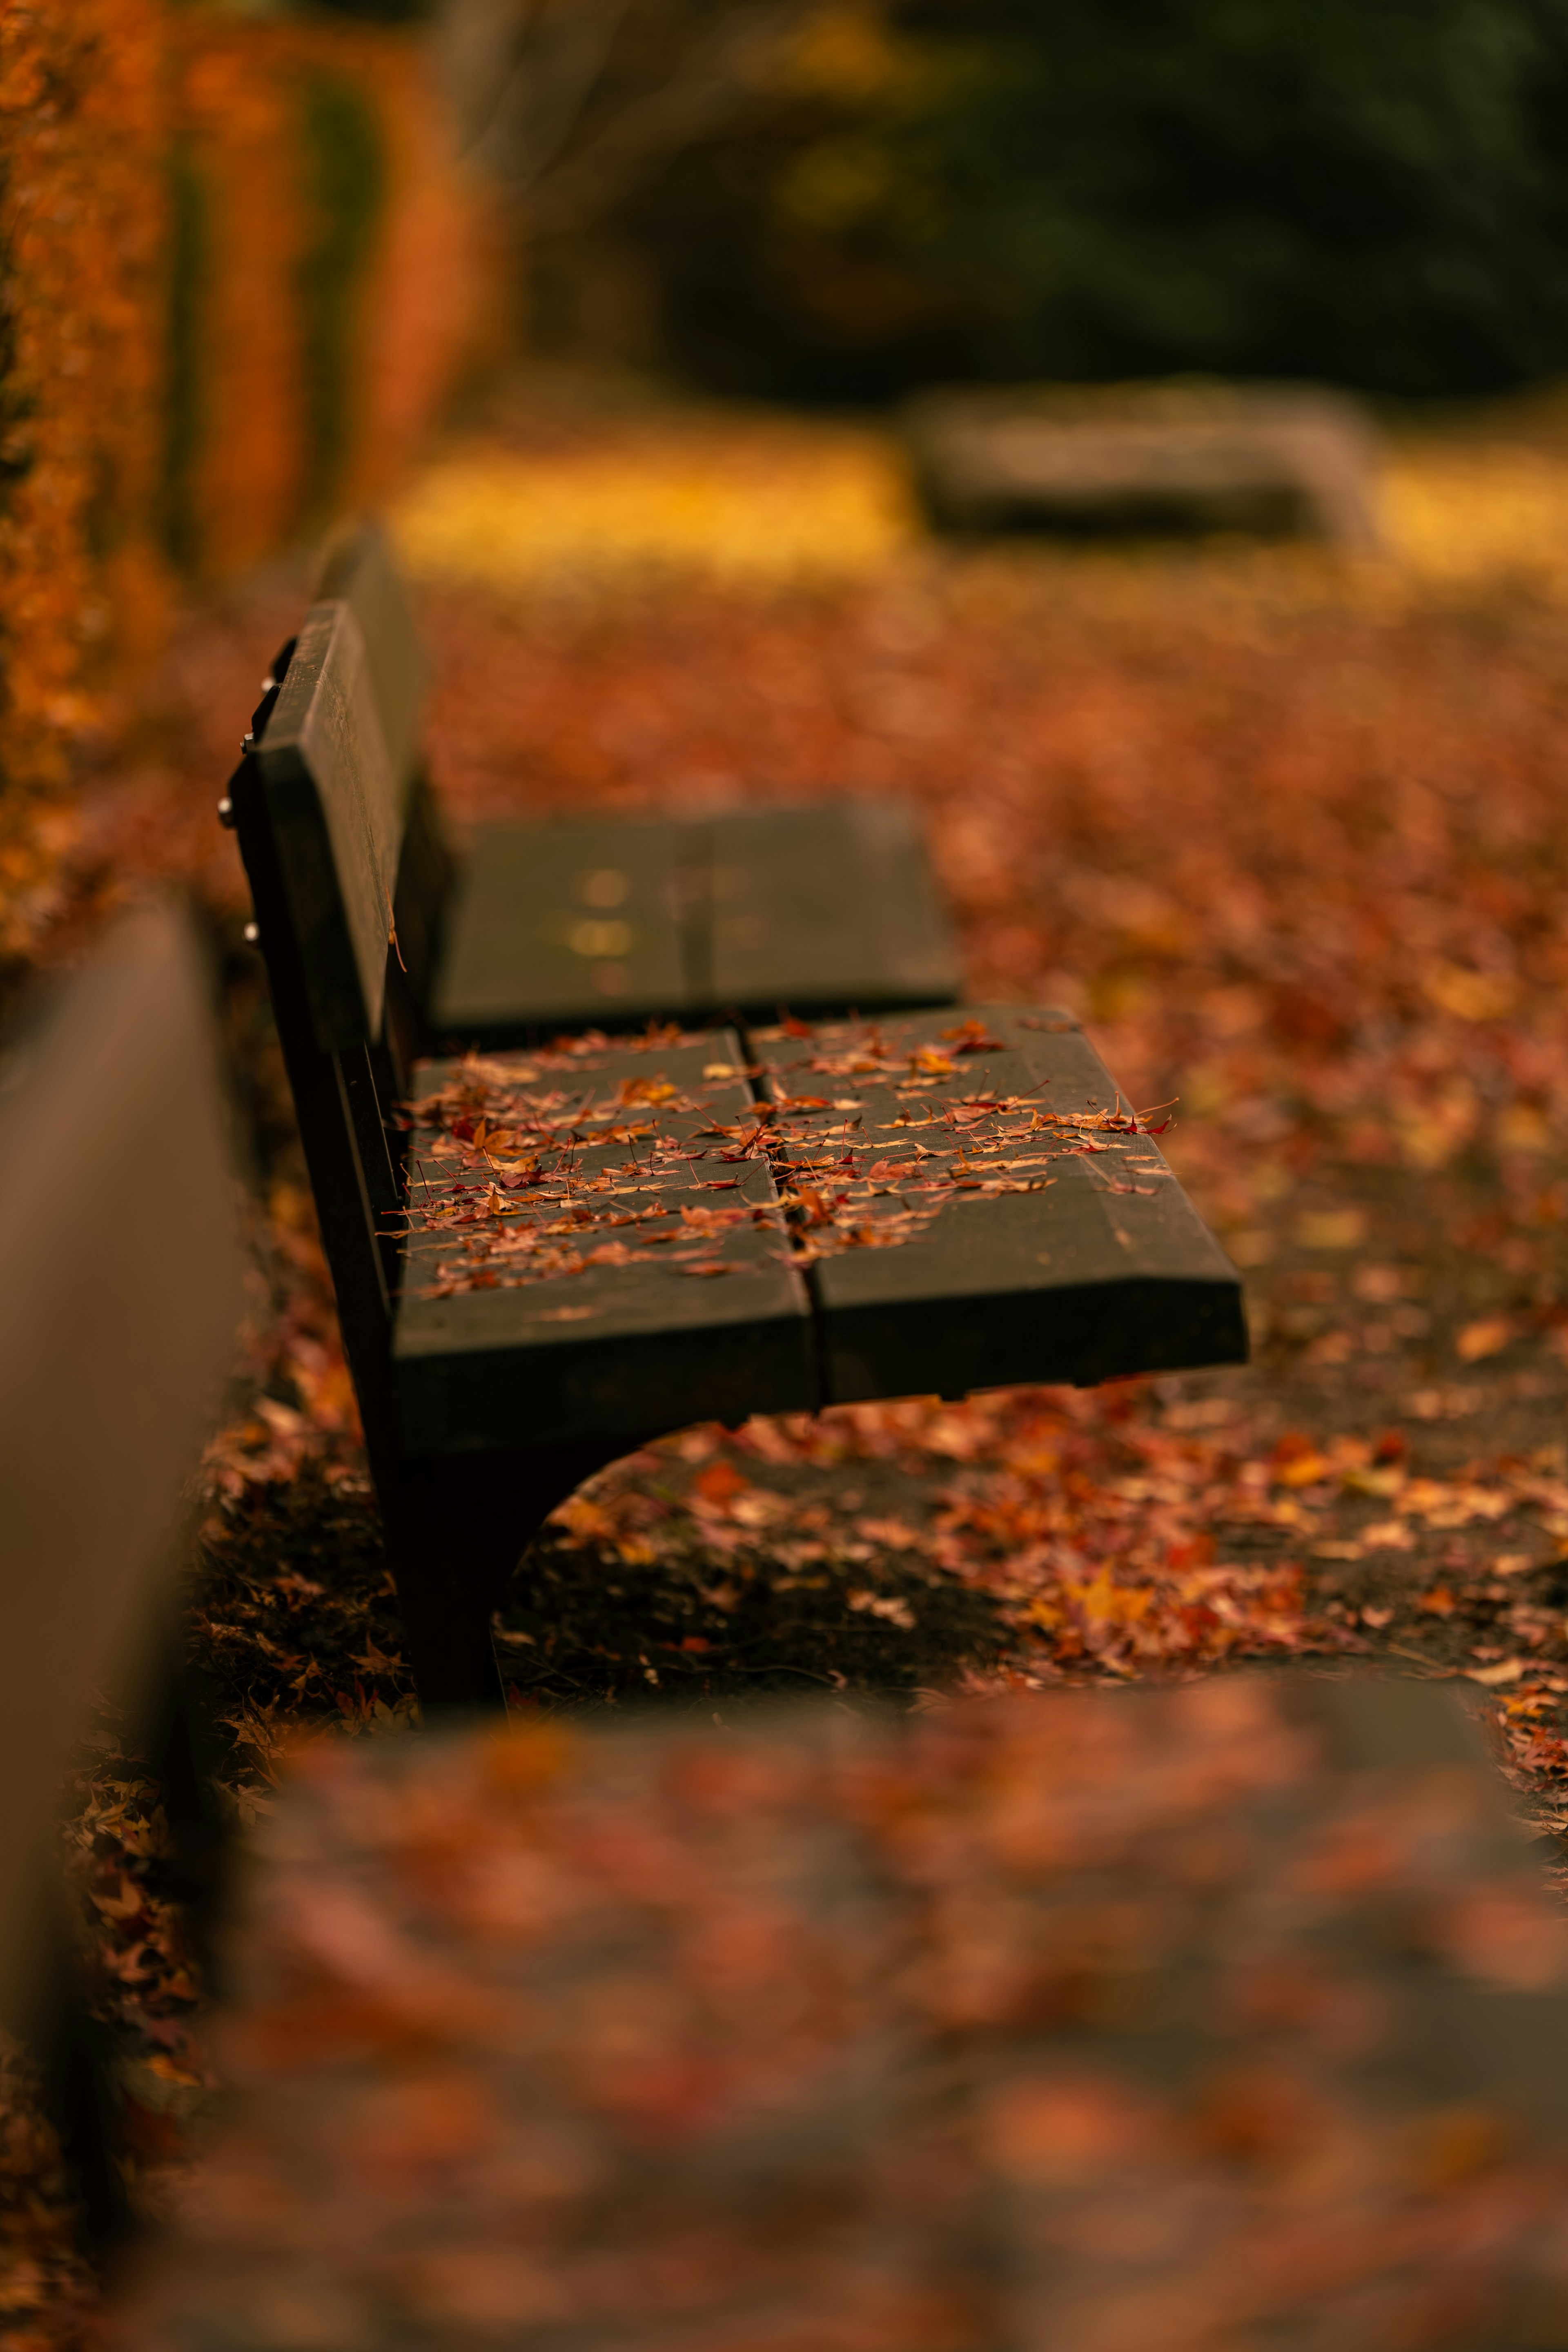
(1150, 459)
(121, 1274)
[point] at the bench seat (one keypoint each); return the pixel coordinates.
(615, 919)
(1061, 1247)
(934, 1204)
(649, 1335)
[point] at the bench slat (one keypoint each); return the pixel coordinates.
(358, 566)
(831, 905)
(1104, 1270)
(568, 922)
(620, 1350)
(336, 815)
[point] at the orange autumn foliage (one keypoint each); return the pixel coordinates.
(240, 91)
(80, 590)
(161, 407)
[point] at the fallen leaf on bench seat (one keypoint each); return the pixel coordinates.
(971, 1037)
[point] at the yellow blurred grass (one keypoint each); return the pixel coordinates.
(1475, 516)
(741, 502)
(778, 502)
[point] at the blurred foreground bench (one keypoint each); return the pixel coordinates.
(548, 1258)
(1231, 2015)
(120, 1272)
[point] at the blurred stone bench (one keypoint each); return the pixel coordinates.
(1230, 2014)
(1145, 458)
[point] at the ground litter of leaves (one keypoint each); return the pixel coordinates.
(1287, 832)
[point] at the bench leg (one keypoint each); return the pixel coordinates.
(455, 1529)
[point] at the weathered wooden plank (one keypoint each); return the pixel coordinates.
(829, 904)
(425, 874)
(576, 921)
(960, 1245)
(358, 568)
(611, 919)
(602, 1277)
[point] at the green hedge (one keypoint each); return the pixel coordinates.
(340, 168)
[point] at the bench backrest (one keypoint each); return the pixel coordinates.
(321, 826)
(358, 569)
(336, 815)
(119, 1270)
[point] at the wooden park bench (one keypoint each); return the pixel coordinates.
(552, 1256)
(119, 1270)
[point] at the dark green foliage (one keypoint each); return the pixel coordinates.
(345, 177)
(1371, 191)
(342, 179)
(1363, 189)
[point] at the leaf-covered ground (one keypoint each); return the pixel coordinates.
(1288, 832)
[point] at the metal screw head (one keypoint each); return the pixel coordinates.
(226, 816)
(252, 933)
